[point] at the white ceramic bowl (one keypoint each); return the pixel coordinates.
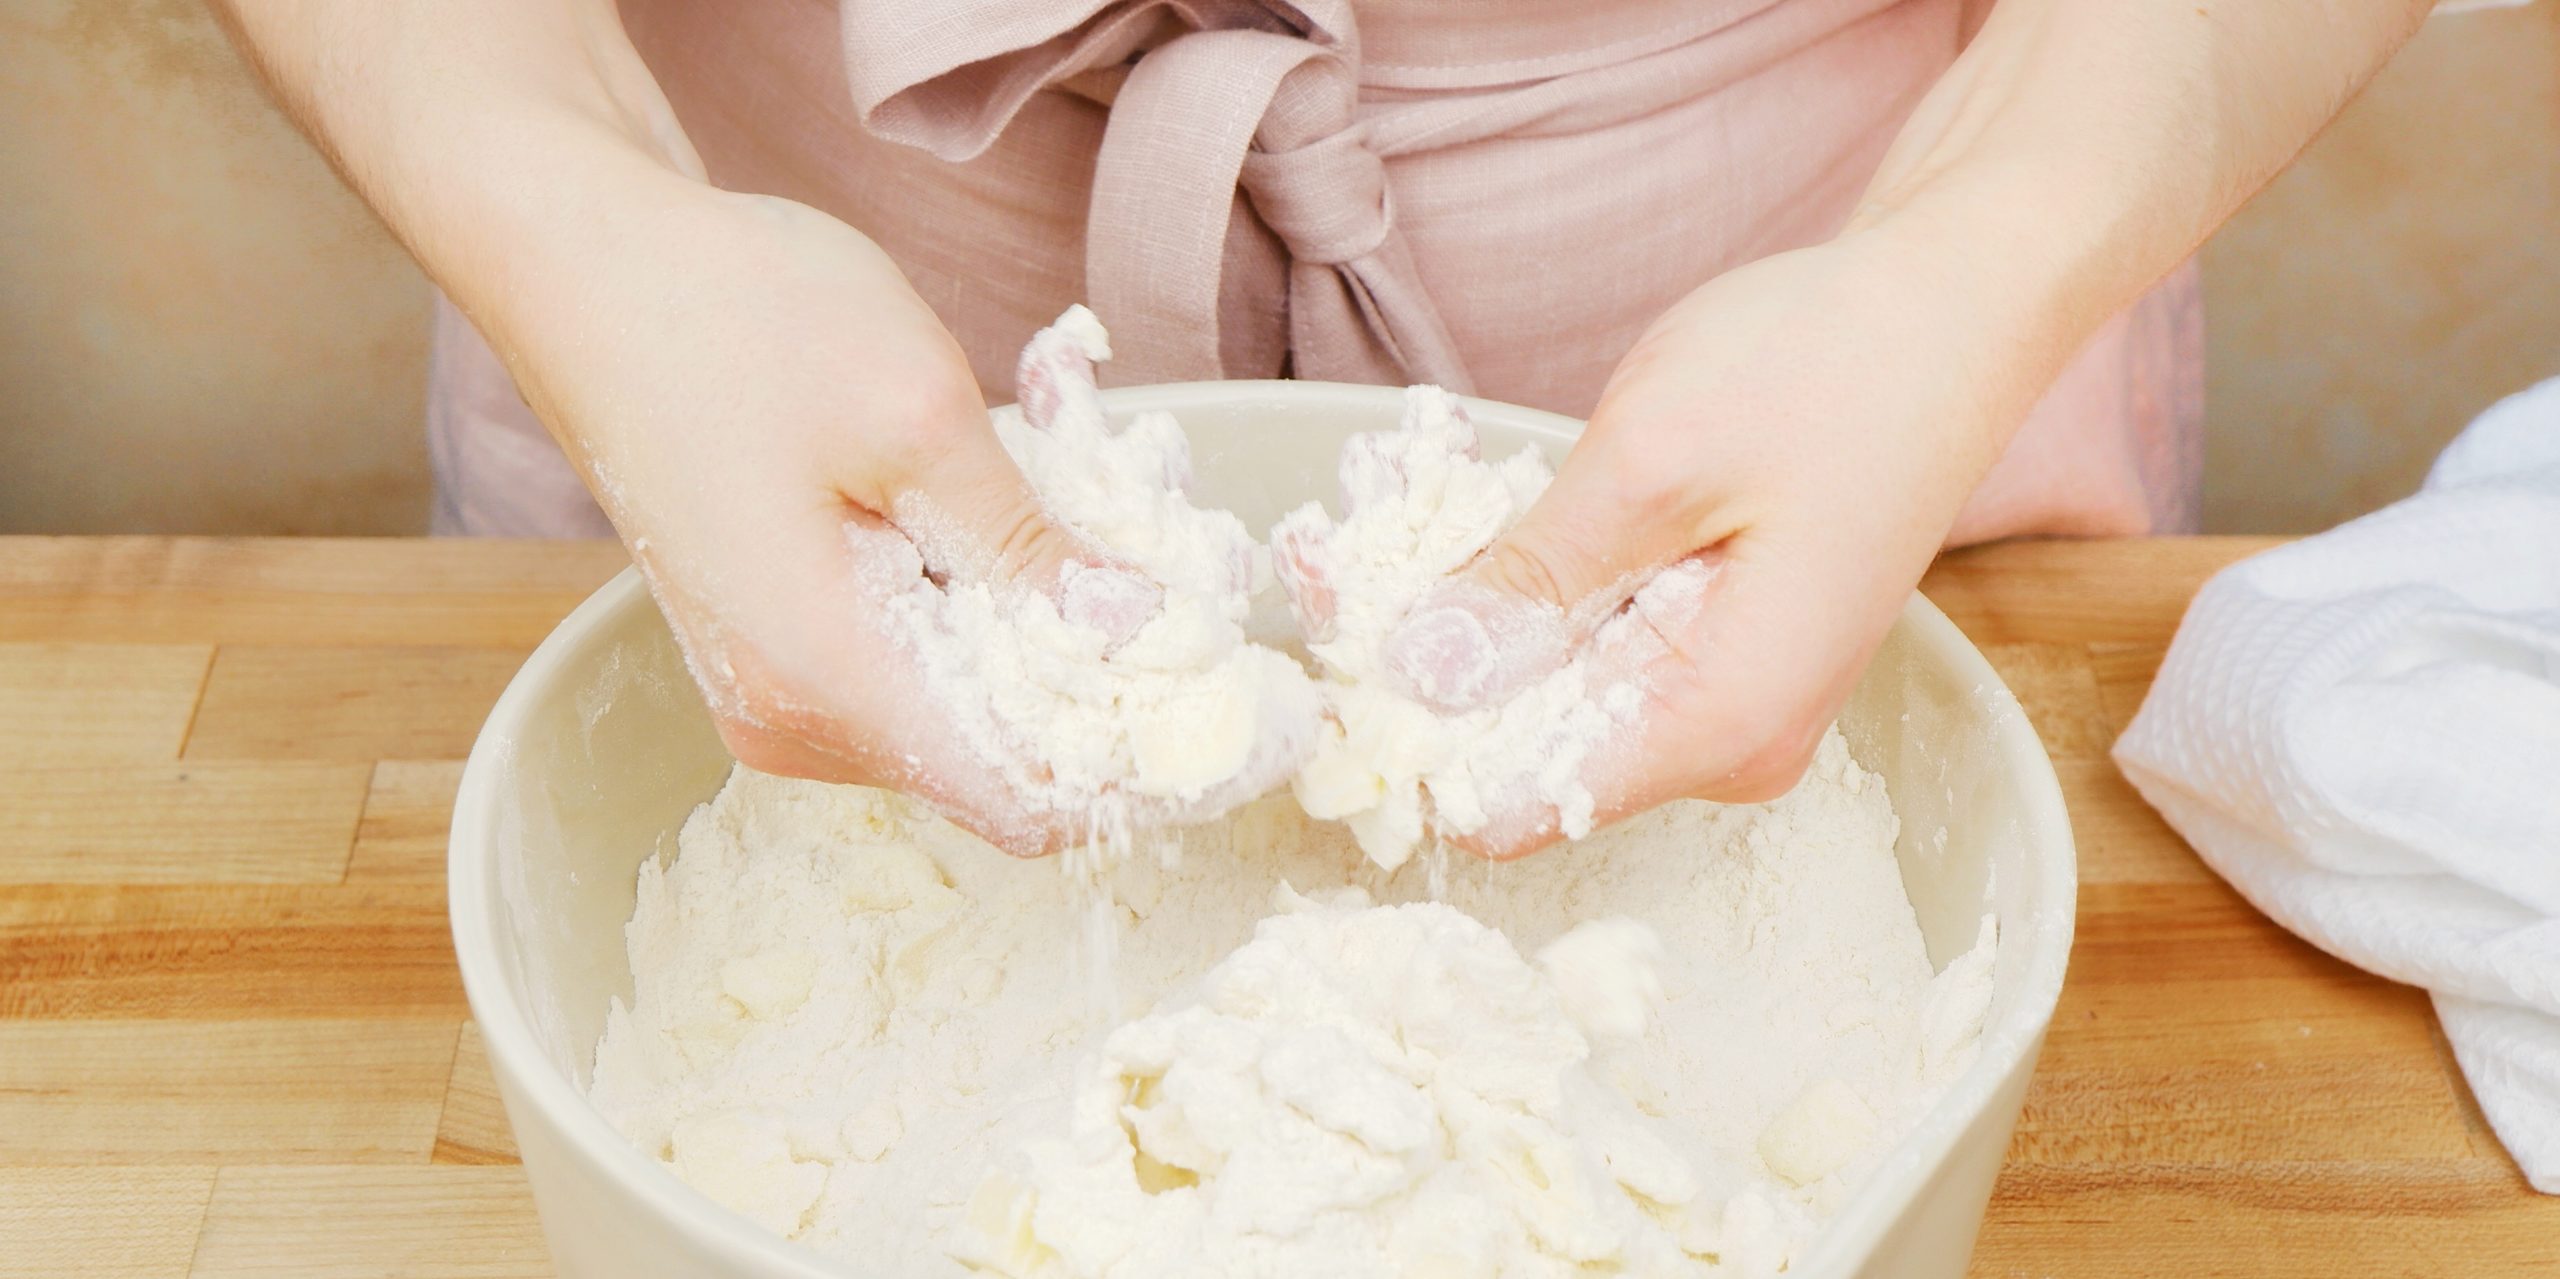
(601, 746)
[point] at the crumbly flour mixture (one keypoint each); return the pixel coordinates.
(1417, 503)
(1668, 1049)
(861, 1027)
(1134, 698)
(1356, 1090)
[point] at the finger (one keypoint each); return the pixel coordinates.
(1055, 375)
(856, 707)
(1622, 652)
(1302, 559)
(974, 518)
(900, 729)
(1108, 598)
(1518, 610)
(970, 512)
(1738, 680)
(1468, 644)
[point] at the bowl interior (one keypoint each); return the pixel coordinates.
(602, 746)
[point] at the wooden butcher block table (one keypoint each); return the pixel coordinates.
(232, 1041)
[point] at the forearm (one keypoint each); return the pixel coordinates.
(2080, 149)
(484, 132)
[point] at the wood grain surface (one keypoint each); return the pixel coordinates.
(232, 1041)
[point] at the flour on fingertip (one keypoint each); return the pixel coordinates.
(1128, 696)
(1471, 716)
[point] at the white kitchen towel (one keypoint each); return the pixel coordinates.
(2361, 731)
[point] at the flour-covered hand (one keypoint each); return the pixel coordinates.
(767, 411)
(776, 424)
(1803, 430)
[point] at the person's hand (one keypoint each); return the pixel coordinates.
(1805, 428)
(761, 404)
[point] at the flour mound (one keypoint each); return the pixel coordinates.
(847, 1013)
(1358, 1091)
(1133, 696)
(1418, 504)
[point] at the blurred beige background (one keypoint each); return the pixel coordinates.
(200, 331)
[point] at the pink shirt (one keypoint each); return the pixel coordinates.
(1386, 191)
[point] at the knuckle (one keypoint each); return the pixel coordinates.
(1530, 566)
(1647, 489)
(919, 420)
(1027, 546)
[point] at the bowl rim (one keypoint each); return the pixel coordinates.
(516, 1058)
(2013, 1043)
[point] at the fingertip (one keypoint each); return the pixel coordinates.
(1055, 373)
(1110, 599)
(1442, 656)
(1467, 644)
(1302, 561)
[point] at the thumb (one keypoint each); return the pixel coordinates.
(974, 517)
(1517, 611)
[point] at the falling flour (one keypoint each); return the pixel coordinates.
(851, 1023)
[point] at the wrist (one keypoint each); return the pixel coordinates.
(1999, 325)
(516, 229)
(2045, 214)
(2042, 253)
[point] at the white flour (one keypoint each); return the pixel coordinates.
(1134, 697)
(852, 1020)
(1418, 503)
(1357, 1091)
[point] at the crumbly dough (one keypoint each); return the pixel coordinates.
(852, 1021)
(1417, 503)
(1133, 697)
(1358, 1090)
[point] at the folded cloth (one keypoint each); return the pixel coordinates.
(2361, 731)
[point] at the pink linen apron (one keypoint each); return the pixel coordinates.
(1386, 191)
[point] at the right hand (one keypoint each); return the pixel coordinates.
(750, 387)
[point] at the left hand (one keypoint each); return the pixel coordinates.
(1808, 426)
